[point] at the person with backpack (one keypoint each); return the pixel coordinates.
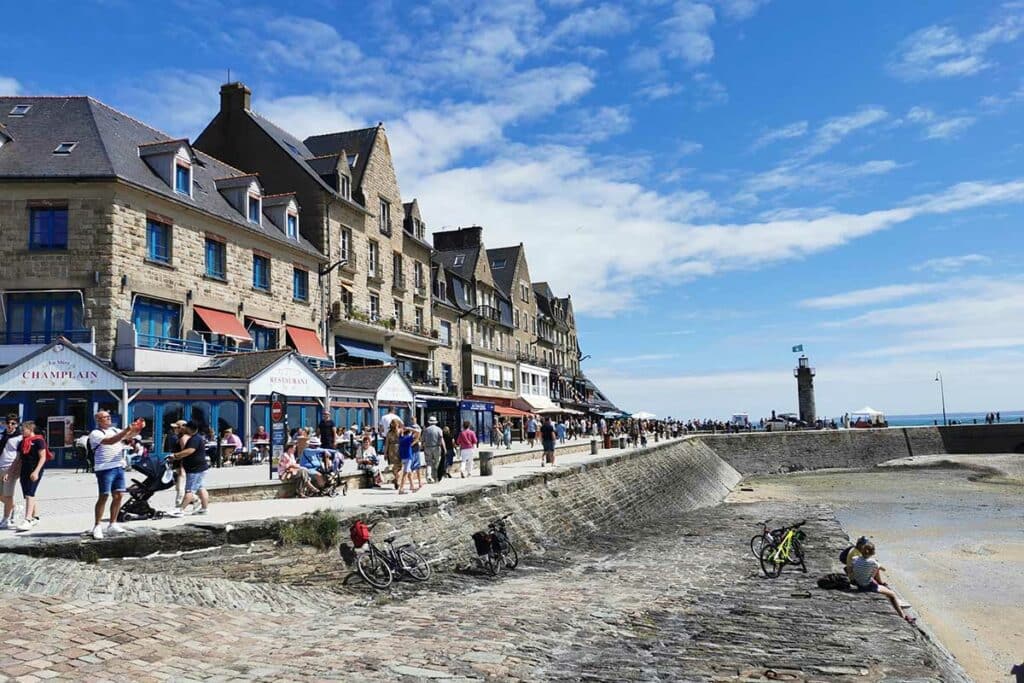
(866, 574)
(851, 553)
(28, 465)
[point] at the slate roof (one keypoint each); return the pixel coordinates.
(227, 366)
(468, 267)
(359, 142)
(108, 148)
(367, 378)
(503, 277)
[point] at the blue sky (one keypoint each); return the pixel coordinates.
(712, 181)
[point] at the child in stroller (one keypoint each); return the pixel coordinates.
(159, 476)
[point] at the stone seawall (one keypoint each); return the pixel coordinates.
(778, 452)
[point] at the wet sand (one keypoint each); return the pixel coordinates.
(953, 548)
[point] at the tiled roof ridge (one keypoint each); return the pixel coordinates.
(348, 368)
(199, 152)
(248, 354)
(169, 138)
(164, 142)
(279, 194)
(236, 177)
(342, 132)
(324, 156)
(99, 135)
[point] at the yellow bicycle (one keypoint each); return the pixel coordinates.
(780, 550)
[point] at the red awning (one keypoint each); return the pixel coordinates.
(305, 342)
(510, 412)
(220, 322)
(264, 323)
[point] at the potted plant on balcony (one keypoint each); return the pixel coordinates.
(434, 334)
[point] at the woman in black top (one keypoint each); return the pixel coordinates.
(29, 465)
(449, 454)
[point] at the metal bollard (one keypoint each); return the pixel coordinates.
(622, 442)
(486, 466)
(593, 446)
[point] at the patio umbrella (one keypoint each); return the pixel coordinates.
(643, 416)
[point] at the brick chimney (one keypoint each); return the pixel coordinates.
(234, 97)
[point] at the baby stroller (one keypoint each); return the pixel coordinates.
(159, 476)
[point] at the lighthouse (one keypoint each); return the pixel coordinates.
(804, 374)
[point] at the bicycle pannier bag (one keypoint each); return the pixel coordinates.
(482, 541)
(360, 533)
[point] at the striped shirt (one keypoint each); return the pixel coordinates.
(863, 570)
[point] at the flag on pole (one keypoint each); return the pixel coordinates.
(799, 348)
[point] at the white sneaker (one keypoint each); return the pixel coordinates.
(97, 532)
(26, 525)
(175, 512)
(115, 528)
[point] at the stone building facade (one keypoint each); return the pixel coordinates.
(356, 216)
(110, 228)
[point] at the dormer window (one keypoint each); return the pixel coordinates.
(20, 109)
(498, 264)
(293, 226)
(352, 158)
(182, 178)
(254, 209)
(345, 187)
(65, 148)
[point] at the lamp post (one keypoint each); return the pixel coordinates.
(942, 393)
(324, 320)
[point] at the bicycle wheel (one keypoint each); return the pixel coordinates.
(510, 556)
(414, 564)
(796, 555)
(771, 563)
(374, 570)
(492, 563)
(756, 544)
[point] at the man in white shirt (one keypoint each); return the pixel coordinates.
(108, 465)
(387, 419)
(10, 439)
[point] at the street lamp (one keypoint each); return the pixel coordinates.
(942, 393)
(324, 320)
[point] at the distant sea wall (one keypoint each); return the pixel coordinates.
(777, 452)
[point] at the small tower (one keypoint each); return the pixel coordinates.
(804, 374)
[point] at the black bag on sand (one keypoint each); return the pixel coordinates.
(834, 582)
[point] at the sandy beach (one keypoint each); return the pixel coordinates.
(951, 540)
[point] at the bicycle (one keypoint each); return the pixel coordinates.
(767, 535)
(379, 567)
(494, 547)
(786, 550)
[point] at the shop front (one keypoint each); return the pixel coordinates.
(362, 395)
(231, 391)
(480, 415)
(444, 408)
(61, 387)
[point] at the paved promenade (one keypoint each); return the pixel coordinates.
(66, 498)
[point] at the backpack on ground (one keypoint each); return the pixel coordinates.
(359, 533)
(834, 581)
(845, 553)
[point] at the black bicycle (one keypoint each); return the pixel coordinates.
(379, 567)
(767, 536)
(494, 547)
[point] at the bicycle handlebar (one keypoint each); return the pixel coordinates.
(797, 526)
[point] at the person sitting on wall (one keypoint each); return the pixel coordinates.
(288, 469)
(369, 462)
(866, 574)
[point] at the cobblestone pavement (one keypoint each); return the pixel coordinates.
(682, 599)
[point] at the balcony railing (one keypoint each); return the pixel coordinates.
(369, 317)
(350, 260)
(81, 336)
(375, 273)
(195, 346)
(420, 290)
(450, 389)
(418, 330)
(419, 377)
(504, 355)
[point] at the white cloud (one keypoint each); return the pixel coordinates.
(9, 86)
(788, 132)
(941, 52)
(658, 91)
(179, 103)
(903, 385)
(739, 10)
(871, 296)
(603, 20)
(936, 127)
(688, 147)
(685, 34)
(708, 92)
(950, 264)
(836, 129)
(792, 176)
(595, 125)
